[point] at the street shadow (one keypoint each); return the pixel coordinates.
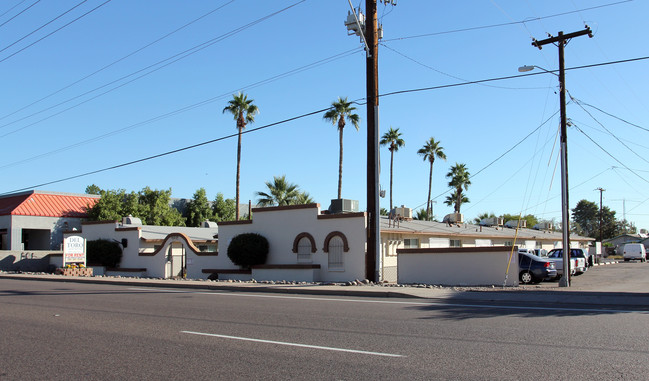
(531, 304)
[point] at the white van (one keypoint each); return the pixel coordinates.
(634, 251)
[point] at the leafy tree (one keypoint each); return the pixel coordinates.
(393, 140)
(383, 212)
(453, 199)
(585, 218)
(280, 192)
(529, 219)
(223, 209)
(460, 180)
(93, 189)
(430, 151)
(198, 209)
(244, 112)
(155, 208)
(341, 110)
(113, 205)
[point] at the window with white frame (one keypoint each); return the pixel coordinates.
(509, 243)
(335, 258)
(456, 243)
(411, 243)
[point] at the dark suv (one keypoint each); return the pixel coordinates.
(533, 269)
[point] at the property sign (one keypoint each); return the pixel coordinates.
(74, 250)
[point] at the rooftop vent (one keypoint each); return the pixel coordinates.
(208, 224)
(454, 218)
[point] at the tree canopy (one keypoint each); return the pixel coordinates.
(281, 192)
(198, 209)
(585, 218)
(151, 206)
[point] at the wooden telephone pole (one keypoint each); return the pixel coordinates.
(562, 40)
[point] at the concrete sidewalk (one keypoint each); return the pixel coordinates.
(542, 296)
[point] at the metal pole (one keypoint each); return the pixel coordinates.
(372, 261)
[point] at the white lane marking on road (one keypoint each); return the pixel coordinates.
(430, 303)
(293, 344)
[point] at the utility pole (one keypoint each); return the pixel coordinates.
(601, 190)
(562, 40)
(372, 72)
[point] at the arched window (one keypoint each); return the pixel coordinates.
(335, 245)
(304, 251)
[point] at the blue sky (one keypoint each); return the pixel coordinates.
(117, 85)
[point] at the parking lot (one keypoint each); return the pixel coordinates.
(615, 277)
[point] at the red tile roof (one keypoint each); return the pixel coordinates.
(40, 204)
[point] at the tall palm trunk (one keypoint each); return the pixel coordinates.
(458, 202)
(429, 208)
(340, 164)
(238, 176)
(391, 164)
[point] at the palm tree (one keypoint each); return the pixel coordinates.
(430, 151)
(244, 112)
(303, 198)
(460, 179)
(452, 200)
(280, 193)
(393, 139)
(340, 111)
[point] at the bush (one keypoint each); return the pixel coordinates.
(103, 252)
(248, 249)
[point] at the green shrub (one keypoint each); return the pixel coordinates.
(103, 252)
(248, 249)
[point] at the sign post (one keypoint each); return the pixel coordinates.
(74, 250)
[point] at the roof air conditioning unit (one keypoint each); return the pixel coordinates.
(342, 205)
(493, 221)
(543, 226)
(514, 224)
(402, 212)
(454, 218)
(208, 224)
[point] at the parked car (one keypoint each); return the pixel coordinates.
(533, 269)
(634, 251)
(577, 261)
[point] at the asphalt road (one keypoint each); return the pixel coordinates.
(64, 331)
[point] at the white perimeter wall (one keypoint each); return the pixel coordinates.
(281, 225)
(478, 266)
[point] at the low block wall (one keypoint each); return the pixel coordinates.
(298, 273)
(471, 266)
(30, 261)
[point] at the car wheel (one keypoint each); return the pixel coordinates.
(526, 277)
(626, 259)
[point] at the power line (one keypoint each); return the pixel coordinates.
(380, 95)
(19, 13)
(449, 75)
(169, 152)
(612, 116)
(606, 152)
(116, 61)
(509, 77)
(175, 58)
(42, 26)
(56, 30)
(12, 8)
(607, 130)
(505, 24)
(190, 107)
